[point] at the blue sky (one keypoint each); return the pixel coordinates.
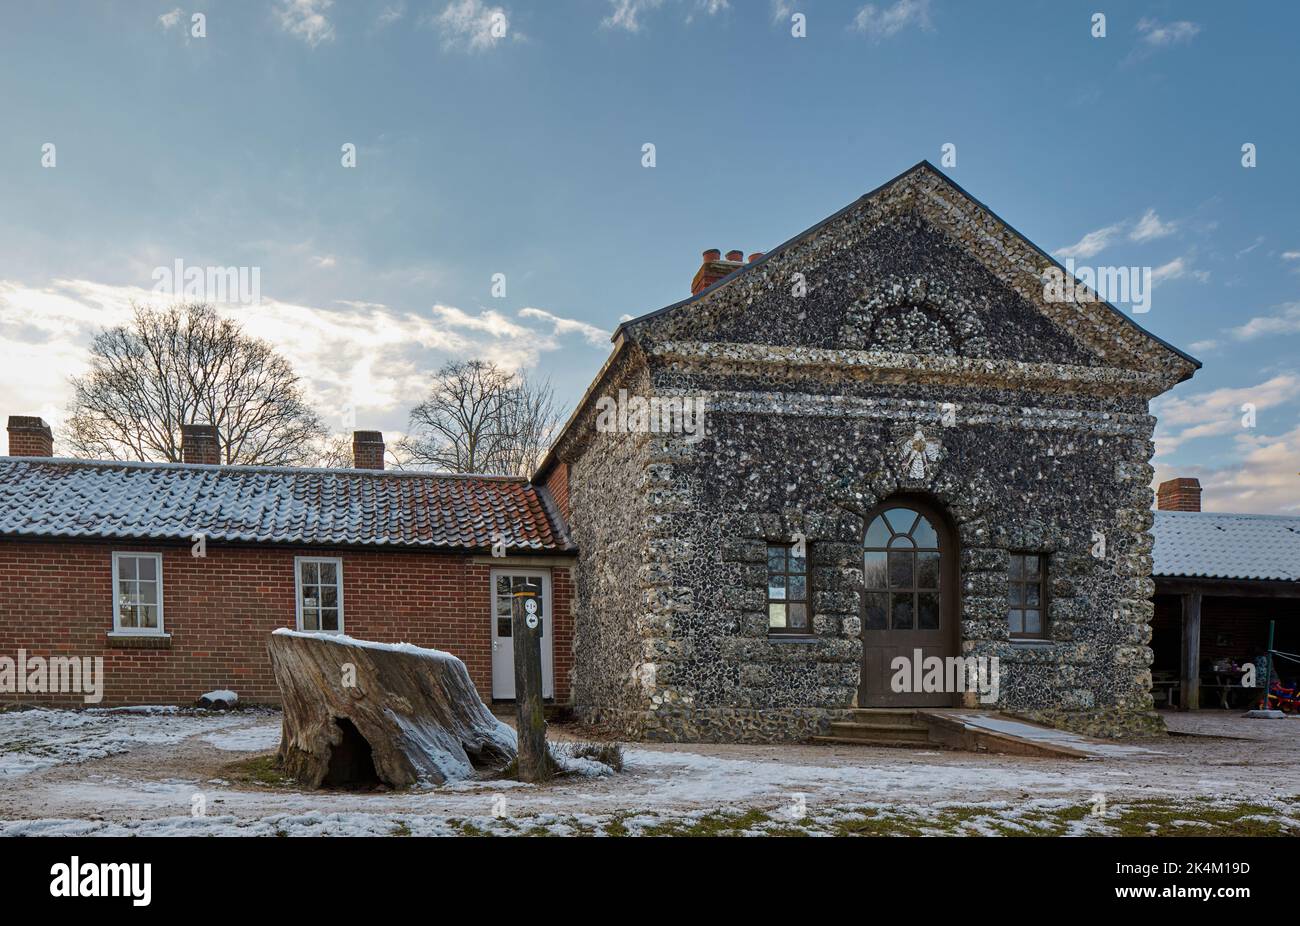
(518, 150)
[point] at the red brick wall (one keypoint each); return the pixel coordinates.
(1232, 628)
(55, 600)
(557, 483)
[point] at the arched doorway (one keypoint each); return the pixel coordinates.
(909, 598)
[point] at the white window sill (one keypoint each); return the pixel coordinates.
(147, 641)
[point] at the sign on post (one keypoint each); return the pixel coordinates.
(526, 619)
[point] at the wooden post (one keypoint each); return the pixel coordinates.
(1191, 681)
(1268, 667)
(527, 617)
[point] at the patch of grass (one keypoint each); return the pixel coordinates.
(1165, 818)
(716, 823)
(1200, 817)
(22, 746)
(610, 753)
(467, 828)
(874, 823)
(260, 771)
(607, 753)
(401, 830)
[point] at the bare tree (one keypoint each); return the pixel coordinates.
(532, 420)
(481, 419)
(186, 364)
(333, 452)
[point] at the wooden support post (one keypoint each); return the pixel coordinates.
(1191, 681)
(526, 616)
(1268, 667)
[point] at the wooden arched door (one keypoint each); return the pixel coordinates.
(909, 598)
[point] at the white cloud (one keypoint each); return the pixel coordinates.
(472, 25)
(1202, 347)
(1161, 34)
(325, 262)
(1170, 271)
(1218, 412)
(1246, 250)
(306, 19)
(1149, 227)
(626, 14)
(709, 8)
(1176, 269)
(1261, 479)
(1291, 255)
(370, 356)
(597, 336)
(1092, 243)
(170, 19)
(391, 13)
(1286, 321)
(885, 23)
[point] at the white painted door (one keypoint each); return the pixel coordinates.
(505, 582)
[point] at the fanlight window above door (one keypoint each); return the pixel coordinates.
(901, 568)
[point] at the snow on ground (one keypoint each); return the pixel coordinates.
(259, 738)
(116, 772)
(37, 739)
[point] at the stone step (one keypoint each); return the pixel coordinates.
(880, 731)
(903, 719)
(864, 741)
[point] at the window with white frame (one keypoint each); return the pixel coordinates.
(137, 593)
(320, 593)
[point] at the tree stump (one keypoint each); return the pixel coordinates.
(357, 712)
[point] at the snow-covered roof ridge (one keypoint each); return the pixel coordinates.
(1226, 545)
(168, 501)
(342, 639)
(258, 468)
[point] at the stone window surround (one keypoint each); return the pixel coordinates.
(807, 632)
(1044, 584)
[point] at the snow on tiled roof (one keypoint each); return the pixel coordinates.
(94, 499)
(1226, 546)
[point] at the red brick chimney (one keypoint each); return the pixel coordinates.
(1179, 495)
(368, 449)
(200, 443)
(30, 437)
(715, 268)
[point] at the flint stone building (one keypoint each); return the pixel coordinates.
(886, 437)
(907, 446)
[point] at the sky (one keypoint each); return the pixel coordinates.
(504, 143)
